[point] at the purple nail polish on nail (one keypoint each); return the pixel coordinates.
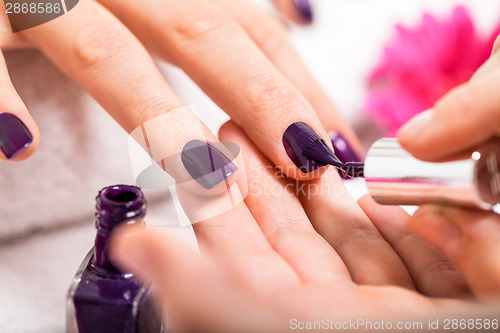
(14, 135)
(305, 9)
(297, 138)
(207, 165)
(343, 150)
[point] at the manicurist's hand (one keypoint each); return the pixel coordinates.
(236, 52)
(466, 118)
(303, 251)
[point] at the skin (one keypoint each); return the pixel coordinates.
(237, 53)
(274, 258)
(302, 256)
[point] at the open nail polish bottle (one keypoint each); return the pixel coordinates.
(102, 298)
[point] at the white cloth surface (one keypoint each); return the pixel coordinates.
(56, 187)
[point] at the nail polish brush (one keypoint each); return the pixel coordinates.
(316, 151)
(394, 177)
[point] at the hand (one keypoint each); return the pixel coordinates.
(237, 53)
(281, 257)
(467, 117)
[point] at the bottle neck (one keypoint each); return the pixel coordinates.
(116, 206)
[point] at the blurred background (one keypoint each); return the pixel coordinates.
(381, 61)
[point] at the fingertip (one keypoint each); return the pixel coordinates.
(413, 135)
(19, 136)
(126, 243)
(366, 200)
(231, 132)
(296, 11)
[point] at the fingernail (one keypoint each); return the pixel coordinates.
(416, 126)
(305, 9)
(14, 135)
(343, 150)
(207, 165)
(297, 137)
(434, 226)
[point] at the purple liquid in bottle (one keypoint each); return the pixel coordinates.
(102, 298)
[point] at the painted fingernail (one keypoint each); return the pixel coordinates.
(14, 135)
(343, 150)
(207, 165)
(305, 9)
(297, 137)
(416, 126)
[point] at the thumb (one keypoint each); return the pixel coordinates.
(465, 118)
(470, 239)
(199, 297)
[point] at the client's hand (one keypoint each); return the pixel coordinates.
(464, 119)
(236, 52)
(293, 250)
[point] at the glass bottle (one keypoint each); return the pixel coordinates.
(102, 298)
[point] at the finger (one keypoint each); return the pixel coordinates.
(95, 49)
(337, 217)
(218, 54)
(470, 239)
(279, 214)
(112, 65)
(198, 295)
(496, 46)
(489, 66)
(235, 241)
(434, 275)
(298, 11)
(272, 38)
(19, 135)
(8, 40)
(462, 120)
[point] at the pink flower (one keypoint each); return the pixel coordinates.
(420, 65)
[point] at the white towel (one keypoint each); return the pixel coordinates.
(81, 150)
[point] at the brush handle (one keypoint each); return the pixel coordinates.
(393, 176)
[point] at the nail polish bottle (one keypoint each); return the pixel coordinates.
(103, 298)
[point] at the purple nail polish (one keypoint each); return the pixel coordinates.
(14, 135)
(297, 138)
(102, 298)
(305, 9)
(343, 150)
(207, 165)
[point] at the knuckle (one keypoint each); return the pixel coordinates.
(355, 235)
(265, 95)
(95, 46)
(284, 227)
(269, 35)
(196, 24)
(153, 107)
